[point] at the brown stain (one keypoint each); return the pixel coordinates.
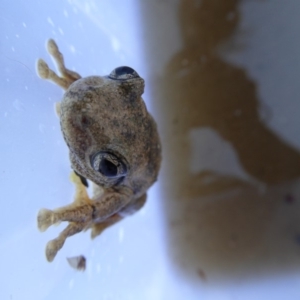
(229, 227)
(201, 275)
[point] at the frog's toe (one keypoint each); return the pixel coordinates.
(42, 69)
(52, 249)
(52, 47)
(45, 219)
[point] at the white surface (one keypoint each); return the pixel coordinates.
(35, 167)
(129, 261)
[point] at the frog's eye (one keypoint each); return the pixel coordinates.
(123, 73)
(108, 165)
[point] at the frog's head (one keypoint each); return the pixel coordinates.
(107, 128)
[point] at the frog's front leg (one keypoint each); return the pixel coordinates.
(70, 213)
(97, 210)
(68, 76)
(47, 217)
(81, 216)
(55, 245)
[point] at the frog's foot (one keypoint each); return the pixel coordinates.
(80, 210)
(69, 213)
(43, 69)
(45, 219)
(46, 73)
(79, 218)
(59, 59)
(68, 76)
(55, 245)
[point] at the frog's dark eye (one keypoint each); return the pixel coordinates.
(108, 164)
(108, 168)
(123, 73)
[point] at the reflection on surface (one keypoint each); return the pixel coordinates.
(221, 223)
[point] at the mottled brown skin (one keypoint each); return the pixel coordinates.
(113, 142)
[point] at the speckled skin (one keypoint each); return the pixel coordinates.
(99, 113)
(102, 114)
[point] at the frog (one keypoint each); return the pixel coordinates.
(113, 143)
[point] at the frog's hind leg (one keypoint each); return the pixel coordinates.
(130, 209)
(68, 76)
(55, 245)
(59, 59)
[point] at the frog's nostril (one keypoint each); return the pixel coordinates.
(123, 73)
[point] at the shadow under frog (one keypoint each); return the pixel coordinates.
(223, 226)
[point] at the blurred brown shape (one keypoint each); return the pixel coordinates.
(228, 226)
